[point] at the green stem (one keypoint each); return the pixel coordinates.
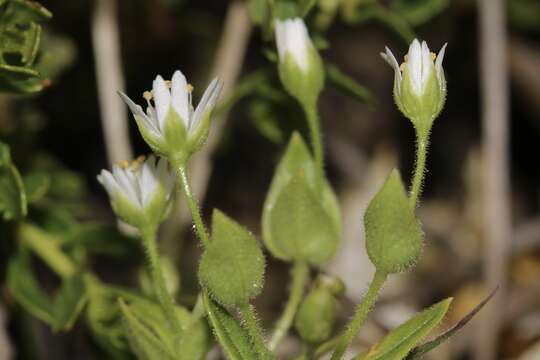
(422, 142)
(360, 315)
(252, 326)
(316, 139)
(193, 206)
(299, 274)
(158, 279)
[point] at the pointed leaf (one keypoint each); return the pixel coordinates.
(393, 234)
(69, 302)
(399, 342)
(232, 267)
(232, 337)
(36, 185)
(348, 85)
(12, 194)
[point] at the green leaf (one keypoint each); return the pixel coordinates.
(348, 85)
(300, 227)
(306, 6)
(297, 160)
(144, 343)
(61, 313)
(232, 267)
(196, 341)
(12, 195)
(418, 12)
(36, 185)
(393, 234)
(399, 342)
(419, 351)
(259, 11)
(232, 337)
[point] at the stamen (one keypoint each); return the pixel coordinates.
(190, 88)
(402, 66)
(148, 95)
(137, 163)
(124, 164)
(406, 57)
(433, 56)
(168, 83)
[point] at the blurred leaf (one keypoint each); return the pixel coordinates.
(245, 87)
(305, 7)
(231, 336)
(102, 239)
(418, 12)
(12, 195)
(524, 14)
(232, 266)
(61, 313)
(419, 351)
(348, 85)
(296, 160)
(61, 53)
(259, 11)
(399, 342)
(36, 185)
(144, 343)
(285, 9)
(266, 121)
(372, 10)
(20, 36)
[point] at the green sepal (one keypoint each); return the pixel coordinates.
(297, 160)
(316, 315)
(400, 341)
(394, 238)
(197, 137)
(156, 143)
(304, 85)
(232, 337)
(232, 266)
(175, 134)
(421, 110)
(301, 229)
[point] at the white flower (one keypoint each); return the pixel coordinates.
(171, 122)
(141, 191)
(419, 63)
(292, 38)
(419, 83)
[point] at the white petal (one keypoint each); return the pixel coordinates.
(162, 99)
(208, 101)
(391, 60)
(414, 64)
(180, 96)
(438, 62)
(427, 64)
(106, 179)
(298, 42)
(280, 39)
(147, 180)
(138, 111)
(127, 184)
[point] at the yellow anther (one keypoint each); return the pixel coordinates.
(406, 57)
(124, 164)
(402, 66)
(137, 163)
(190, 88)
(168, 83)
(147, 95)
(433, 56)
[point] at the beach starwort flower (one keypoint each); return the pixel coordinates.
(171, 126)
(419, 83)
(139, 192)
(300, 66)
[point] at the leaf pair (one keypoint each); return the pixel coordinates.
(300, 222)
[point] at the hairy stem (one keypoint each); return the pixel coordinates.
(193, 206)
(316, 139)
(252, 326)
(299, 274)
(360, 315)
(422, 143)
(158, 279)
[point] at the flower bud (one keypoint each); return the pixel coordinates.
(419, 84)
(300, 66)
(170, 126)
(140, 193)
(316, 315)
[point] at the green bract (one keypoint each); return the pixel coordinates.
(393, 234)
(300, 67)
(299, 222)
(232, 267)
